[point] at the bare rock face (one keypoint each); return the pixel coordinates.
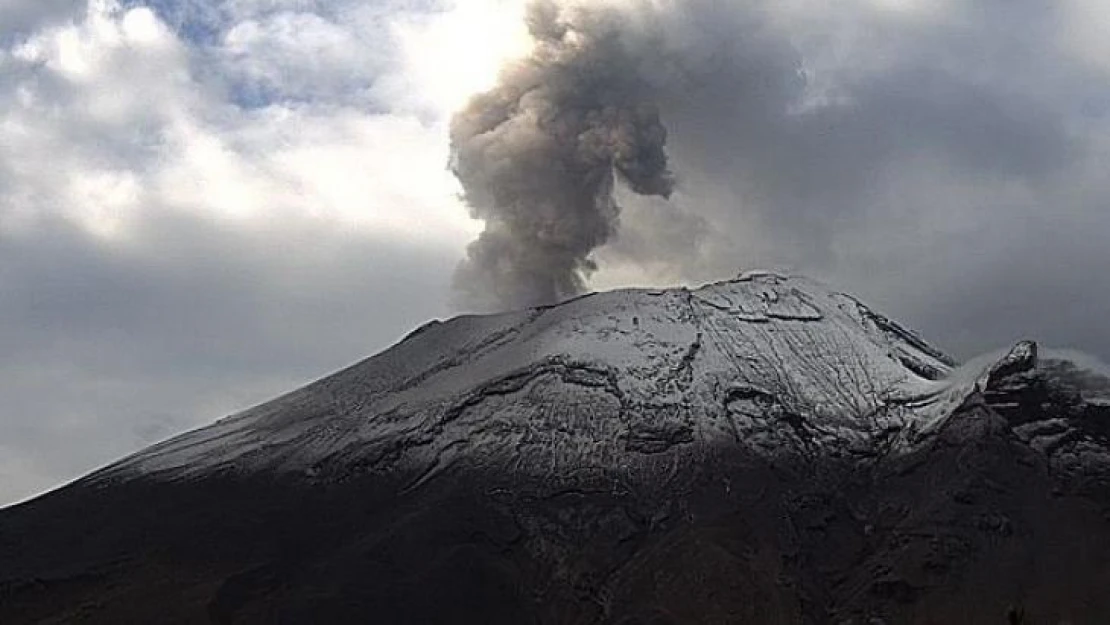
(1058, 409)
(763, 450)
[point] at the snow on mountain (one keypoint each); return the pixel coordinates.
(631, 379)
(761, 450)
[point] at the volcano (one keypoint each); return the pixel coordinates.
(762, 450)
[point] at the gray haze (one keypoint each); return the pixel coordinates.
(538, 156)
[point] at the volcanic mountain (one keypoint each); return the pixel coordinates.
(762, 450)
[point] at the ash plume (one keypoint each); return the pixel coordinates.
(540, 154)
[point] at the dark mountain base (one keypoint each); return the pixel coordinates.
(973, 528)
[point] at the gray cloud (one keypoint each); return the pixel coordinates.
(18, 19)
(539, 155)
(772, 145)
(106, 350)
(168, 256)
(945, 164)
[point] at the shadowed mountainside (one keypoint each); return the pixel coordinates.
(756, 451)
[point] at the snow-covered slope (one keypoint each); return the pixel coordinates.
(763, 450)
(627, 380)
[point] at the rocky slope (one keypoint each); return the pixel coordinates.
(763, 450)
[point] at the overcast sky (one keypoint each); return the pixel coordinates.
(206, 203)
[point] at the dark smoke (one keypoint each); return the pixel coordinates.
(923, 159)
(539, 157)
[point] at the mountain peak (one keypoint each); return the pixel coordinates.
(778, 363)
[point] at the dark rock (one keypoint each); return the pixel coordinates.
(657, 438)
(1021, 358)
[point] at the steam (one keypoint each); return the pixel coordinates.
(539, 156)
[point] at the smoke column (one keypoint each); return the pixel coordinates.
(539, 156)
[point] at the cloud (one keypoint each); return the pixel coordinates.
(791, 127)
(539, 156)
(171, 250)
(20, 18)
(941, 161)
(108, 348)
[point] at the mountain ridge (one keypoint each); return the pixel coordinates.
(763, 450)
(635, 346)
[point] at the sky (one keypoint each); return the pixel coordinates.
(204, 204)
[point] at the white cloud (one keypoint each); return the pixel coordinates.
(301, 56)
(173, 249)
(128, 129)
(446, 64)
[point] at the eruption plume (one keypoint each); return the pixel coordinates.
(540, 154)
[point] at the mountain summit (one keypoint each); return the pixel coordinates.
(762, 450)
(601, 384)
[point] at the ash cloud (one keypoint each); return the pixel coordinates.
(540, 155)
(944, 162)
(569, 159)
